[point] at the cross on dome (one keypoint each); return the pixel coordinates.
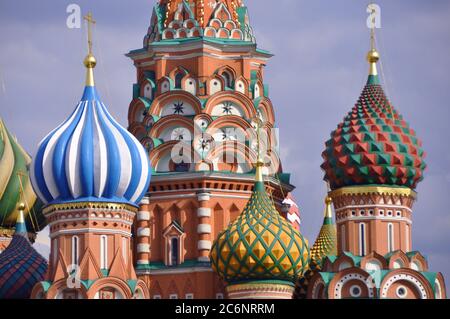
(90, 157)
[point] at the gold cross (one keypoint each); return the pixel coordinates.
(22, 177)
(90, 21)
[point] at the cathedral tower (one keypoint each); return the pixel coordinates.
(90, 172)
(199, 92)
(373, 163)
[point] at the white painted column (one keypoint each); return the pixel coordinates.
(204, 227)
(143, 233)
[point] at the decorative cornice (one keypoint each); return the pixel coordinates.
(367, 190)
(89, 205)
(89, 230)
(261, 286)
(172, 271)
(384, 218)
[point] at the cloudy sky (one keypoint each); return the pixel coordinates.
(316, 76)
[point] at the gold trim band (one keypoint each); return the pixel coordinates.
(259, 286)
(89, 205)
(365, 190)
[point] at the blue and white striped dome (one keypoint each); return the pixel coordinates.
(90, 158)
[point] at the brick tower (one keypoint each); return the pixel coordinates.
(90, 172)
(199, 92)
(373, 163)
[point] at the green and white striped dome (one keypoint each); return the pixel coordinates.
(14, 180)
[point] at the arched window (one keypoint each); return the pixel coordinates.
(229, 80)
(103, 252)
(165, 86)
(174, 260)
(257, 93)
(148, 91)
(178, 80)
(215, 86)
(240, 87)
(343, 246)
(75, 250)
(390, 237)
(362, 239)
(190, 86)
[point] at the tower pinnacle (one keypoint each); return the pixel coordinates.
(20, 223)
(328, 213)
(373, 56)
(90, 62)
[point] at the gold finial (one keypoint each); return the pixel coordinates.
(90, 62)
(373, 56)
(328, 213)
(20, 217)
(22, 206)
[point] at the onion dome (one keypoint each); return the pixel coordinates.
(21, 266)
(260, 244)
(326, 242)
(15, 184)
(374, 144)
(90, 157)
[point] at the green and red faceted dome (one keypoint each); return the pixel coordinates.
(374, 145)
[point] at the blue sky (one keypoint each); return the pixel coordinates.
(315, 77)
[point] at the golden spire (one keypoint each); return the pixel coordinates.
(90, 62)
(373, 56)
(328, 213)
(20, 223)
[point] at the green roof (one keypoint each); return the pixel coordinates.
(46, 285)
(327, 276)
(87, 283)
(105, 272)
(132, 284)
(431, 278)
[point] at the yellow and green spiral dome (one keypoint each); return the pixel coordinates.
(326, 242)
(15, 185)
(260, 245)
